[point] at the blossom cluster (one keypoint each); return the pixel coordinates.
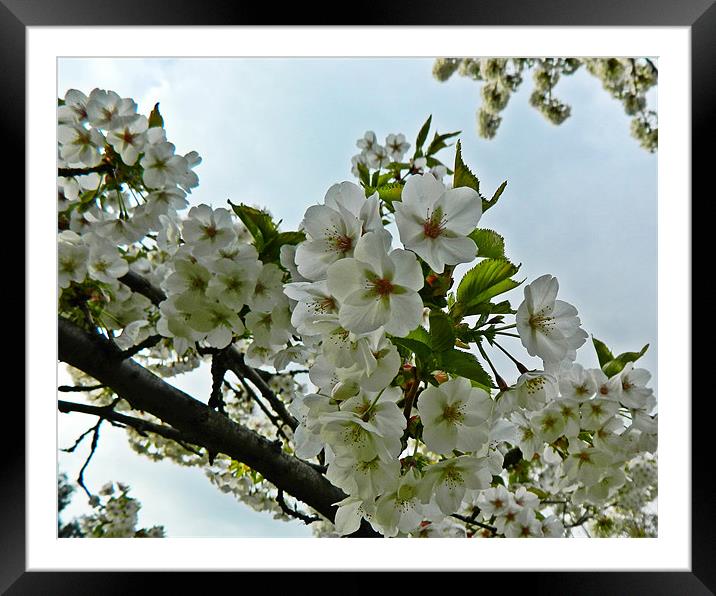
(401, 413)
(625, 79)
(116, 516)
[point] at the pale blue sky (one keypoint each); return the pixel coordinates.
(581, 204)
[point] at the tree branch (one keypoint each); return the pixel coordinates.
(238, 366)
(103, 168)
(150, 342)
(198, 424)
(79, 388)
(137, 283)
(141, 426)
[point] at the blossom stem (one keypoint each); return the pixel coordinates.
(410, 398)
(506, 327)
(521, 367)
(375, 401)
(498, 379)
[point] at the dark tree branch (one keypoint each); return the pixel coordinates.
(79, 388)
(141, 426)
(470, 520)
(238, 366)
(150, 342)
(103, 168)
(137, 283)
(218, 370)
(78, 440)
(198, 424)
(93, 448)
(306, 519)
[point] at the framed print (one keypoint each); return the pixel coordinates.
(349, 334)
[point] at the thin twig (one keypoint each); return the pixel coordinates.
(306, 519)
(141, 426)
(79, 388)
(78, 441)
(469, 520)
(150, 342)
(252, 394)
(93, 448)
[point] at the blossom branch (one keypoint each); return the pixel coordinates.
(196, 421)
(235, 359)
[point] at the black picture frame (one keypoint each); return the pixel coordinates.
(17, 15)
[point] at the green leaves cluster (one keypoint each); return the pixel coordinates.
(268, 240)
(390, 185)
(612, 365)
(489, 278)
(435, 350)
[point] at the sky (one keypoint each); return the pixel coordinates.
(580, 204)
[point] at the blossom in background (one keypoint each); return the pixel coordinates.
(161, 166)
(397, 146)
(105, 263)
(401, 508)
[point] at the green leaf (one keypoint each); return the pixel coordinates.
(155, 117)
(464, 364)
(374, 178)
(271, 252)
(615, 366)
(604, 354)
(463, 176)
(389, 193)
(421, 334)
(492, 202)
(363, 173)
(383, 179)
(485, 280)
(540, 493)
(258, 222)
(422, 135)
(438, 142)
(442, 333)
(420, 349)
(489, 244)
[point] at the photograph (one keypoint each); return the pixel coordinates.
(388, 297)
(425, 274)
